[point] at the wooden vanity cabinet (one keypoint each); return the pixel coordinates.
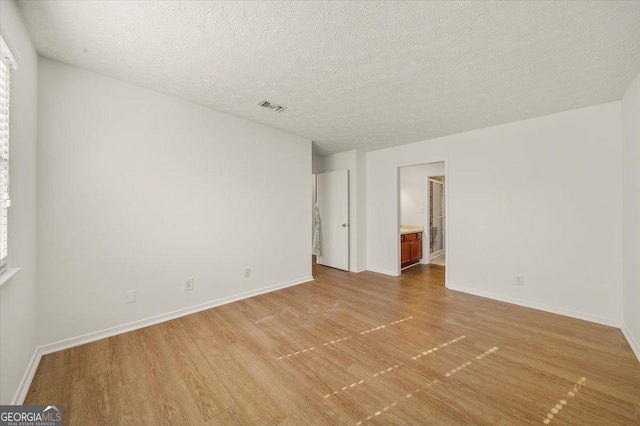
(410, 248)
(405, 252)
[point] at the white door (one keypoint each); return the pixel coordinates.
(333, 202)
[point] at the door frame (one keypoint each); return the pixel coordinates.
(430, 181)
(446, 218)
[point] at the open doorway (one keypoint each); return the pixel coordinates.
(422, 218)
(315, 221)
(331, 232)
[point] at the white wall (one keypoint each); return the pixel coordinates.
(317, 164)
(539, 198)
(414, 194)
(631, 213)
(355, 162)
(414, 199)
(138, 190)
(18, 306)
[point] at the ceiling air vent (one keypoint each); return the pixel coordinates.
(272, 107)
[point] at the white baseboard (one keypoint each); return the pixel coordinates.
(635, 347)
(40, 351)
(27, 378)
(357, 269)
(539, 306)
(124, 328)
(383, 271)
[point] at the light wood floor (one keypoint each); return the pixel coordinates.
(351, 349)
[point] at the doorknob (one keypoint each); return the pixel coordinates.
(344, 225)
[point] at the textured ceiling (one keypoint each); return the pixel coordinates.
(363, 75)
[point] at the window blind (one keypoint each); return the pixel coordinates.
(6, 64)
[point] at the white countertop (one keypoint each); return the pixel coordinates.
(410, 229)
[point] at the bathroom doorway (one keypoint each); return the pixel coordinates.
(415, 211)
(437, 213)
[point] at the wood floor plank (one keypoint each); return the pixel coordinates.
(353, 349)
(252, 404)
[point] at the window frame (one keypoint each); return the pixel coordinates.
(7, 57)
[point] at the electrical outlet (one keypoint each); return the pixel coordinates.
(519, 280)
(247, 273)
(131, 296)
(188, 284)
